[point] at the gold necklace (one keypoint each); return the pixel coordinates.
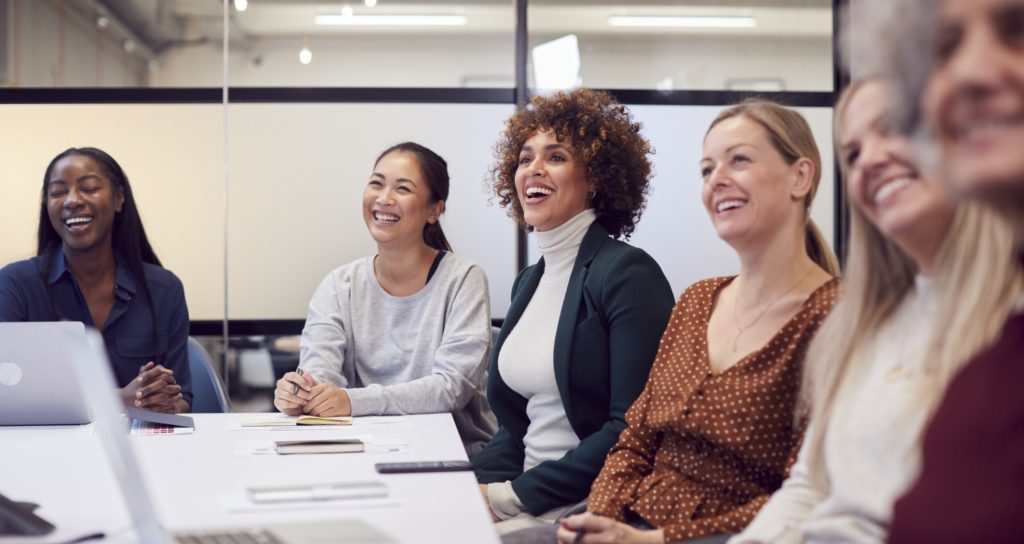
(736, 309)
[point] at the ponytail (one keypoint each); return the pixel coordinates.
(433, 236)
(818, 249)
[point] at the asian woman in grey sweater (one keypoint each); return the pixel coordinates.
(405, 331)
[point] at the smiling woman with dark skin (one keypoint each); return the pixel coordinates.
(94, 264)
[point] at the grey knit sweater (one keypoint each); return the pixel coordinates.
(423, 353)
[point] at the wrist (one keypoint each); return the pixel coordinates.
(656, 536)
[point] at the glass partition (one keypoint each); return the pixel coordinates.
(387, 43)
(768, 45)
(253, 202)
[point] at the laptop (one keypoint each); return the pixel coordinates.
(38, 385)
(97, 380)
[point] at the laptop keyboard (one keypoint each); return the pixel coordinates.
(236, 537)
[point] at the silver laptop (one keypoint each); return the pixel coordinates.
(38, 385)
(97, 381)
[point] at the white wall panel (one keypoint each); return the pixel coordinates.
(297, 173)
(173, 157)
(297, 178)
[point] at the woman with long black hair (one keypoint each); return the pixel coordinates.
(404, 331)
(94, 264)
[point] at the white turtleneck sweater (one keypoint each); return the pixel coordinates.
(872, 447)
(527, 358)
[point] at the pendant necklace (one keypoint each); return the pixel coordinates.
(736, 309)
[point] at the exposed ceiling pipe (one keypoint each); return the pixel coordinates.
(117, 28)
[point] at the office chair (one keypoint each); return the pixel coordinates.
(207, 390)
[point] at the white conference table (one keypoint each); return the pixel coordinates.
(199, 480)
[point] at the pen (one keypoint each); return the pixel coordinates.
(295, 390)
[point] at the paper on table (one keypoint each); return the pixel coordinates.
(287, 421)
(239, 502)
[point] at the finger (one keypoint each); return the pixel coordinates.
(310, 379)
(151, 388)
(171, 395)
(320, 409)
(588, 522)
(171, 390)
(293, 380)
(167, 374)
(168, 406)
(160, 404)
(287, 407)
(285, 402)
(153, 373)
(298, 382)
(286, 392)
(146, 367)
(567, 536)
(314, 406)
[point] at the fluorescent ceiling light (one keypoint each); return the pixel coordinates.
(682, 22)
(327, 19)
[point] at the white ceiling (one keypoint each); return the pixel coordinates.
(291, 18)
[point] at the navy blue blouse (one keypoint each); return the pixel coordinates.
(128, 332)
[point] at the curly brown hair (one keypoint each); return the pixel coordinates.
(602, 134)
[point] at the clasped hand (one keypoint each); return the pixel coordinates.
(301, 394)
(154, 389)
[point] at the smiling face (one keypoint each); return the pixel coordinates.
(974, 99)
(883, 178)
(81, 202)
(749, 190)
(396, 200)
(551, 183)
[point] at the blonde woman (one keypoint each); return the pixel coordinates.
(927, 284)
(713, 433)
(973, 450)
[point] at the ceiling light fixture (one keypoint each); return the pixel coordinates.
(370, 3)
(682, 22)
(347, 11)
(128, 45)
(327, 19)
(241, 5)
(102, 22)
(305, 55)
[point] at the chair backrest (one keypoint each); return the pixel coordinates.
(207, 390)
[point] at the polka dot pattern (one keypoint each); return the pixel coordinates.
(704, 451)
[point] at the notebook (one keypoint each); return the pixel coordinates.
(341, 445)
(97, 382)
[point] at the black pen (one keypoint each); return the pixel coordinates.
(295, 390)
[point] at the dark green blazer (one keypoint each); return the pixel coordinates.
(615, 310)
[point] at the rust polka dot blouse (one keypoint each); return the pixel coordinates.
(703, 452)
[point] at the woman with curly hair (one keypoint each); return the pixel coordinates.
(584, 324)
(714, 432)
